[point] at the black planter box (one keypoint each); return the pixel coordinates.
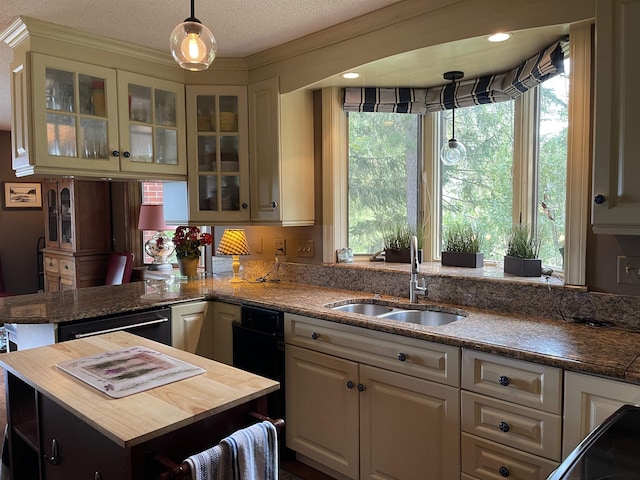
(462, 259)
(400, 255)
(523, 267)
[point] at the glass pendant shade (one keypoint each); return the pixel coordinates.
(453, 151)
(193, 45)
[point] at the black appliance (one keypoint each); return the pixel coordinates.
(610, 452)
(154, 324)
(258, 347)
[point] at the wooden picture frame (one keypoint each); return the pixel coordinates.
(18, 195)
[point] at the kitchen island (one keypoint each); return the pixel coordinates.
(60, 427)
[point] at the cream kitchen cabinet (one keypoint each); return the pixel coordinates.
(223, 316)
(588, 401)
(364, 403)
(281, 155)
(74, 118)
(616, 167)
(188, 322)
(511, 417)
(217, 143)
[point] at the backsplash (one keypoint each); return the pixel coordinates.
(486, 289)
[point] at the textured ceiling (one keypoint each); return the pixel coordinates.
(241, 27)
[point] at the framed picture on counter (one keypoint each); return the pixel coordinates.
(22, 195)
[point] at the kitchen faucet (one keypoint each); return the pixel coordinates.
(414, 289)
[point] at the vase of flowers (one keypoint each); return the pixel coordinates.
(187, 241)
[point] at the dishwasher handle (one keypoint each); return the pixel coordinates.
(123, 327)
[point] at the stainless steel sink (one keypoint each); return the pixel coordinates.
(428, 318)
(365, 308)
(421, 315)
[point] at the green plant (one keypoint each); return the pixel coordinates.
(523, 242)
(188, 241)
(463, 238)
(399, 237)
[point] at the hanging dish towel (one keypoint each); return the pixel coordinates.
(248, 454)
(253, 452)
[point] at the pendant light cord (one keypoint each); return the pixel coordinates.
(453, 111)
(193, 9)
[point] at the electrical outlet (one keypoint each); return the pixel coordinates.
(305, 248)
(629, 270)
(256, 245)
(281, 246)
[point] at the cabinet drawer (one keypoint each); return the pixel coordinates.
(517, 381)
(67, 268)
(520, 427)
(487, 460)
(51, 265)
(419, 358)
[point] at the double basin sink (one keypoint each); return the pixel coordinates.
(422, 315)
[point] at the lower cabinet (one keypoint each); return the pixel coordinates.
(188, 321)
(223, 316)
(588, 401)
(511, 418)
(348, 413)
(69, 271)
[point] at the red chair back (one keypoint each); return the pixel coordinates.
(119, 268)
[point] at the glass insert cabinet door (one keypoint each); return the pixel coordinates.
(60, 223)
(152, 122)
(75, 114)
(217, 143)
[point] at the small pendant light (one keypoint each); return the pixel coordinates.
(192, 44)
(453, 151)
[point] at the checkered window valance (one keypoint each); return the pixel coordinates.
(488, 89)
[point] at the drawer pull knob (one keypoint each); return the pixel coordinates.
(504, 471)
(350, 385)
(402, 357)
(504, 427)
(360, 387)
(504, 381)
(314, 335)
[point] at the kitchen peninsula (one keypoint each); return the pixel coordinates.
(79, 432)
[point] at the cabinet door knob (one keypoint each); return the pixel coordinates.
(314, 335)
(504, 381)
(274, 204)
(599, 199)
(54, 458)
(350, 385)
(244, 205)
(126, 154)
(504, 427)
(504, 471)
(402, 357)
(115, 153)
(360, 387)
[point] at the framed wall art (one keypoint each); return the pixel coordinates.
(22, 195)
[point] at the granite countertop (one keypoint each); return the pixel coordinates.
(608, 351)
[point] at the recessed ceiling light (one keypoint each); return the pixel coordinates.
(499, 37)
(350, 75)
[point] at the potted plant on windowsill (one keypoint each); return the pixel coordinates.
(397, 244)
(462, 246)
(522, 253)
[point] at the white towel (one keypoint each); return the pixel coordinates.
(248, 454)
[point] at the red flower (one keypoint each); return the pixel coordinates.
(188, 241)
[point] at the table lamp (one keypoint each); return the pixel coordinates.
(160, 246)
(234, 243)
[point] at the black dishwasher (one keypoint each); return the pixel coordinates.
(154, 324)
(258, 347)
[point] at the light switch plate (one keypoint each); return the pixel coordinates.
(629, 270)
(305, 248)
(280, 246)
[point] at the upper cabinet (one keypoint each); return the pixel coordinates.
(217, 142)
(281, 155)
(74, 118)
(616, 171)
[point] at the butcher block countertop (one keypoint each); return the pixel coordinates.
(134, 419)
(610, 351)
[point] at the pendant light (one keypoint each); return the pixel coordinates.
(192, 44)
(453, 151)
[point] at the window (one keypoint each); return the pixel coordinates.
(383, 177)
(385, 158)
